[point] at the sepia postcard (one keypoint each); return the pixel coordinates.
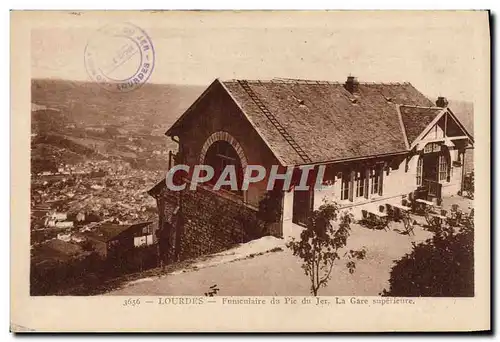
(260, 171)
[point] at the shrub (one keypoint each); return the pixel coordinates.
(442, 266)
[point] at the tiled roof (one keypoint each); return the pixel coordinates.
(416, 119)
(108, 232)
(324, 120)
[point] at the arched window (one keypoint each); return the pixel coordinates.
(219, 155)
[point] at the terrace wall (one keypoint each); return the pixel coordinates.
(209, 222)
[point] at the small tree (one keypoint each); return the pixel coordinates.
(321, 243)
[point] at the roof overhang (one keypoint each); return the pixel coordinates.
(346, 160)
(447, 141)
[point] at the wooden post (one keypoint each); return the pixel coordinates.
(463, 173)
(179, 222)
(367, 181)
(381, 181)
(351, 186)
(445, 124)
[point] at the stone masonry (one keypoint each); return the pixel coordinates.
(209, 222)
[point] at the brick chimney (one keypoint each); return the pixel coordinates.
(351, 84)
(442, 102)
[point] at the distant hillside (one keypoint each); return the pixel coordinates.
(47, 120)
(74, 121)
(465, 113)
(151, 106)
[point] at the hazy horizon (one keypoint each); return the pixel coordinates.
(204, 86)
(435, 53)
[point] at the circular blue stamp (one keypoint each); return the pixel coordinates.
(120, 57)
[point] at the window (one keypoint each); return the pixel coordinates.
(360, 183)
(345, 184)
(376, 180)
(432, 147)
(219, 155)
(144, 240)
(419, 171)
(443, 168)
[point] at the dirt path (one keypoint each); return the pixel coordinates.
(279, 272)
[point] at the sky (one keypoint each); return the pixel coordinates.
(438, 53)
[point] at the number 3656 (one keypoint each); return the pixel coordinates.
(132, 302)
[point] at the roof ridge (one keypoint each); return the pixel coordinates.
(423, 107)
(308, 81)
(284, 81)
(384, 83)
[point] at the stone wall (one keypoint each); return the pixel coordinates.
(210, 222)
(469, 160)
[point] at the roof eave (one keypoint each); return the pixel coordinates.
(345, 160)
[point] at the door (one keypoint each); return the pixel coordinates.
(302, 206)
(430, 172)
(430, 167)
